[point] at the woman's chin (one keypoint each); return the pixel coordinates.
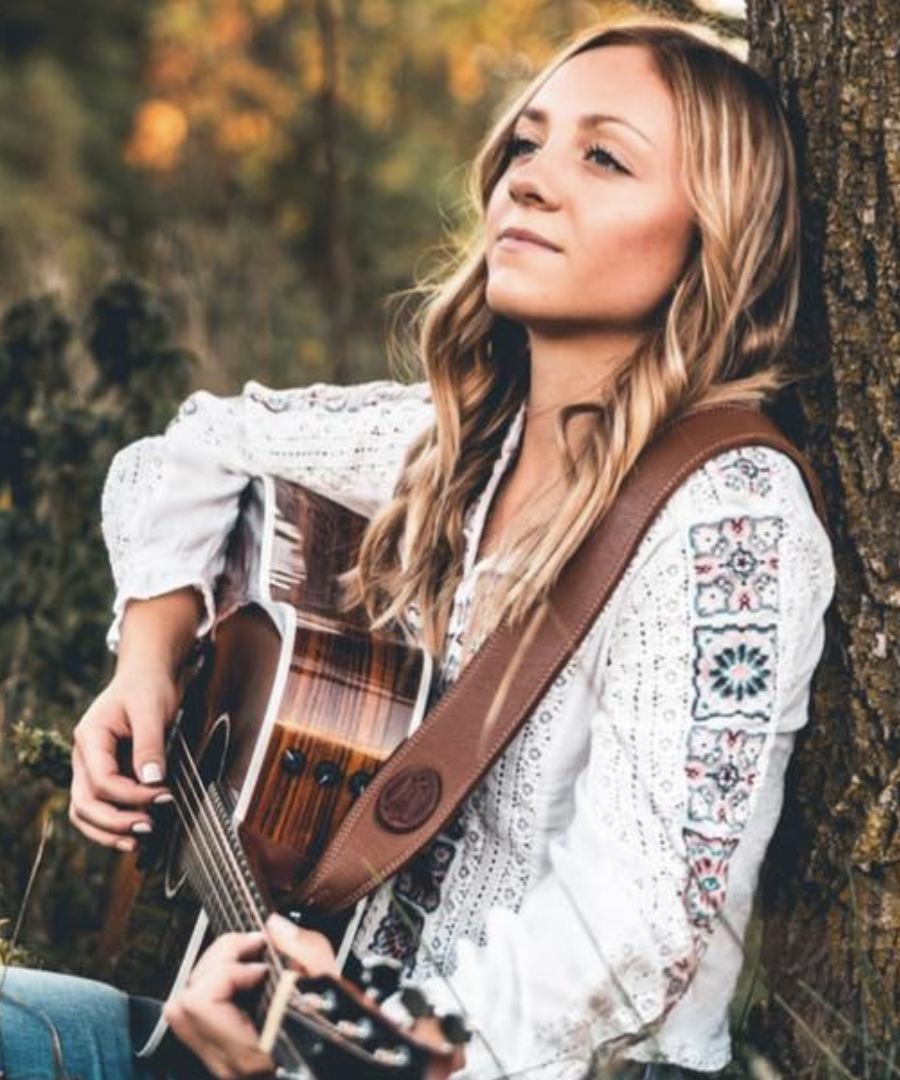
(515, 306)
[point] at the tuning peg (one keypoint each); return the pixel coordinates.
(324, 1002)
(415, 1002)
(398, 1057)
(454, 1029)
(360, 1031)
(380, 976)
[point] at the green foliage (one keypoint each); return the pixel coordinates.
(70, 396)
(45, 753)
(14, 954)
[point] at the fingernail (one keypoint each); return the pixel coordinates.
(164, 798)
(151, 773)
(142, 827)
(125, 845)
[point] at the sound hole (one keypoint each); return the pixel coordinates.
(194, 780)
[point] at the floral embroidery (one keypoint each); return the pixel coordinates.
(747, 471)
(736, 564)
(707, 858)
(734, 671)
(416, 893)
(678, 977)
(722, 771)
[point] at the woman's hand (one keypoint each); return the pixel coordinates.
(204, 1015)
(107, 805)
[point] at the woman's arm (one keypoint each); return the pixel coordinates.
(169, 504)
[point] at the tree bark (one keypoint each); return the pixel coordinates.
(832, 891)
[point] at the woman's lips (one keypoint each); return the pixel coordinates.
(516, 243)
(517, 240)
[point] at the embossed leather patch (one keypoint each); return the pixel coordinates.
(409, 799)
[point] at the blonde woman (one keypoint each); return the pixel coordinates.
(638, 256)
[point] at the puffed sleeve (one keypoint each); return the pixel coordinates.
(170, 501)
(714, 636)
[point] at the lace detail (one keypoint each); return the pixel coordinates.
(128, 471)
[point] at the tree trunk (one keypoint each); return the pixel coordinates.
(832, 891)
(338, 276)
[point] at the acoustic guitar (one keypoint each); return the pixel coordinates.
(289, 709)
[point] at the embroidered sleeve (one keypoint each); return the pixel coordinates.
(170, 501)
(714, 635)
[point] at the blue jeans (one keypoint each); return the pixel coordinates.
(59, 1027)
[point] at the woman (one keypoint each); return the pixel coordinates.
(639, 255)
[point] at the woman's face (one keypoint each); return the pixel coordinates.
(604, 194)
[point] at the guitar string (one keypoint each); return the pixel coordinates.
(298, 1008)
(207, 815)
(193, 823)
(185, 812)
(210, 817)
(214, 895)
(204, 815)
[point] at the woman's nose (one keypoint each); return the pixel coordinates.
(529, 182)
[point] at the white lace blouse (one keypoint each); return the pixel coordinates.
(593, 892)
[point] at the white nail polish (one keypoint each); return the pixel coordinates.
(142, 827)
(151, 773)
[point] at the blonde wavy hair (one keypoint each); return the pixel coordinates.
(718, 337)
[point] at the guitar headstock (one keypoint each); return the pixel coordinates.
(335, 1031)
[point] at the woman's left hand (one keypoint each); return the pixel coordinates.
(204, 1015)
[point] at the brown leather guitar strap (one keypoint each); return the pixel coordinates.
(430, 774)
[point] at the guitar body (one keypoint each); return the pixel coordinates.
(292, 709)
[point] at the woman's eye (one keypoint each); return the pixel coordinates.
(517, 145)
(603, 157)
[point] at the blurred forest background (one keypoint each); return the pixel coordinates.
(193, 193)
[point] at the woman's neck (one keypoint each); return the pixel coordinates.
(563, 371)
(566, 370)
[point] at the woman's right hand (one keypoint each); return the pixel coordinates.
(108, 804)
